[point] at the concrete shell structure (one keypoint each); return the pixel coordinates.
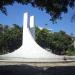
(29, 48)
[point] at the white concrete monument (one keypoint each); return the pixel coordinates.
(29, 48)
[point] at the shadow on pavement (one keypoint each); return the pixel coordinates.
(28, 70)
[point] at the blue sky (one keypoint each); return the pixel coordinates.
(15, 16)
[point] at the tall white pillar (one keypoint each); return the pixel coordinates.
(32, 26)
(25, 25)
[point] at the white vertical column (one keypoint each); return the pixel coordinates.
(26, 21)
(32, 22)
(32, 26)
(25, 26)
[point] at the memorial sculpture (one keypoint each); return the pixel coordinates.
(30, 49)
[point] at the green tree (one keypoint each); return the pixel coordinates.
(42, 37)
(1, 38)
(61, 43)
(11, 38)
(58, 42)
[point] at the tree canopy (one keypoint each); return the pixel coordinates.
(53, 7)
(57, 42)
(10, 38)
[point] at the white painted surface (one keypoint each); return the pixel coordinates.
(32, 26)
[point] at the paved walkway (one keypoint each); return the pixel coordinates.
(38, 63)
